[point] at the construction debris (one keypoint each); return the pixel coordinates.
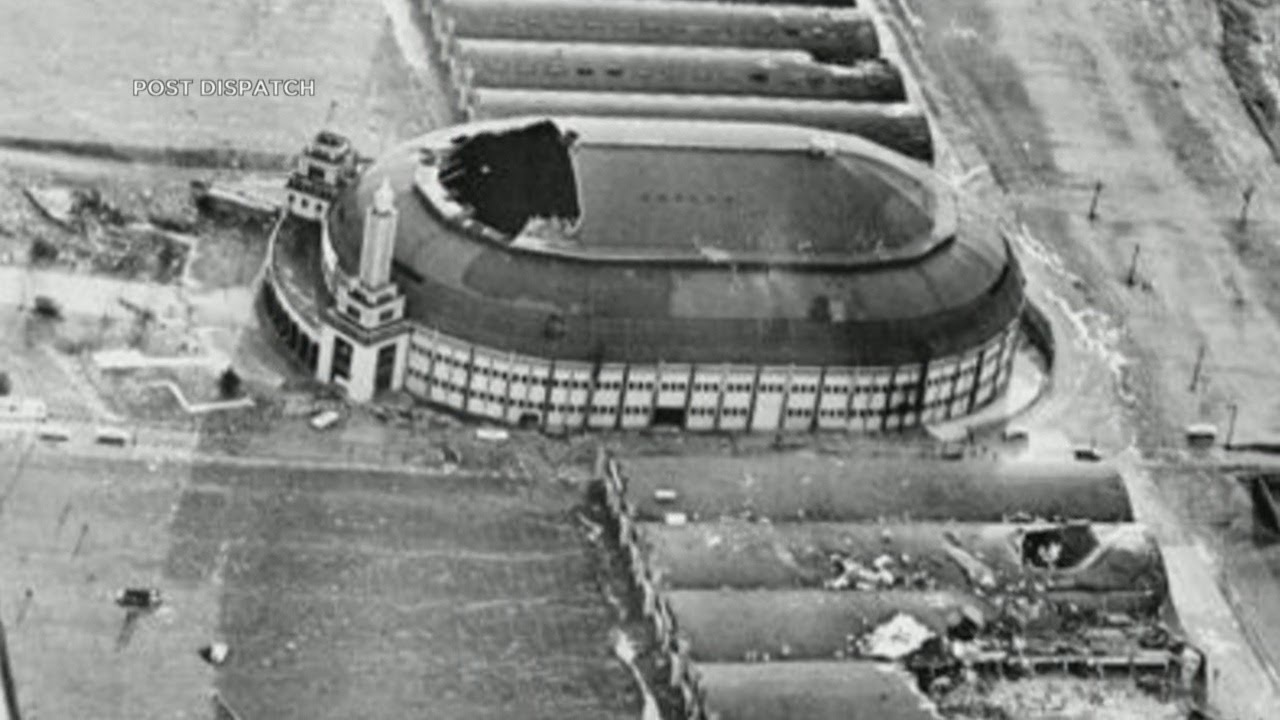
(895, 639)
(983, 614)
(73, 208)
(978, 573)
(57, 204)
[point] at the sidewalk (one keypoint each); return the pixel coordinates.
(408, 457)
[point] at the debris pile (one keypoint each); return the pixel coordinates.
(99, 234)
(980, 613)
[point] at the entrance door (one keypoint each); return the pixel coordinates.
(669, 417)
(385, 369)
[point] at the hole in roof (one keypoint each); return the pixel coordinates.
(511, 177)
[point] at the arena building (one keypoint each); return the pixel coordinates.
(613, 273)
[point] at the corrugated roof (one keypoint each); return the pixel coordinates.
(954, 298)
(812, 691)
(794, 486)
(737, 625)
(900, 126)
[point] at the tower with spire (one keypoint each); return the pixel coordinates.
(366, 337)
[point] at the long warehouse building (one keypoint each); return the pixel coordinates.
(835, 36)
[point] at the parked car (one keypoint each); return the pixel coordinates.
(325, 420)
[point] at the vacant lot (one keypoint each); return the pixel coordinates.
(341, 595)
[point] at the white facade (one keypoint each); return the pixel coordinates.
(364, 343)
(519, 389)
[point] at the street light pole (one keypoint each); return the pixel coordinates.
(1231, 425)
(1195, 372)
(1093, 204)
(1133, 266)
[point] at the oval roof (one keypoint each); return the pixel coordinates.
(872, 264)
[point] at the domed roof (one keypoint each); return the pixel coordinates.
(684, 242)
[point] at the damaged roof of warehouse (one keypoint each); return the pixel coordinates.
(1094, 558)
(686, 241)
(820, 487)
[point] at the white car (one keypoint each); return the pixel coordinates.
(325, 420)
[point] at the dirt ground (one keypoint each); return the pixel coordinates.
(225, 253)
(68, 71)
(341, 595)
(1251, 52)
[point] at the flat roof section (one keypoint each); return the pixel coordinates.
(812, 691)
(733, 626)
(790, 204)
(796, 486)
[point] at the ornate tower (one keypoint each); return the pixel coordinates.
(367, 338)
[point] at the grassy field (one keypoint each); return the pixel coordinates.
(68, 70)
(341, 596)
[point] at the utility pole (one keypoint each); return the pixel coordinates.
(1133, 266)
(1195, 372)
(8, 687)
(1093, 204)
(1247, 195)
(1231, 425)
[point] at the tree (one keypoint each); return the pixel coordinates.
(229, 384)
(6, 385)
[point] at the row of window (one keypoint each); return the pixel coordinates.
(740, 388)
(932, 409)
(884, 386)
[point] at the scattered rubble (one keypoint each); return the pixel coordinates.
(98, 233)
(901, 636)
(1054, 607)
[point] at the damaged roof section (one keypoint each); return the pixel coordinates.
(1071, 562)
(994, 604)
(509, 177)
